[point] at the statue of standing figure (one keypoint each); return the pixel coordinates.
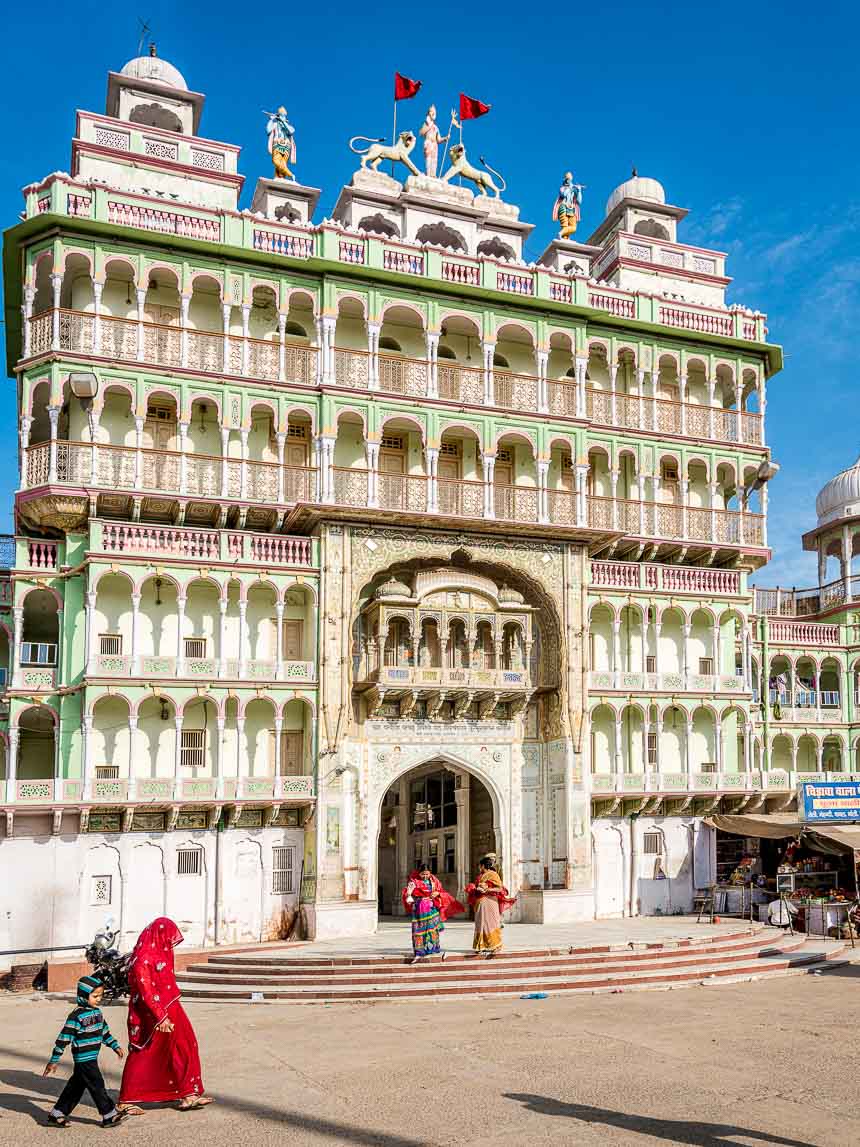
(567, 205)
(282, 143)
(432, 139)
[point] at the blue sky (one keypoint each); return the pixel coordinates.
(747, 114)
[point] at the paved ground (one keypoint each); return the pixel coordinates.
(760, 1063)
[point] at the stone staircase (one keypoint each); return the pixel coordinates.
(749, 953)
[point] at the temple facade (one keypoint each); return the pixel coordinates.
(349, 544)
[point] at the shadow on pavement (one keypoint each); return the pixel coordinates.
(48, 1087)
(312, 1125)
(673, 1130)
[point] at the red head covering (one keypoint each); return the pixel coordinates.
(430, 888)
(151, 979)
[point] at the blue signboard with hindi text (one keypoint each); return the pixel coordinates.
(828, 802)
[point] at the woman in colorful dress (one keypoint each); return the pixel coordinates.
(429, 905)
(489, 897)
(163, 1062)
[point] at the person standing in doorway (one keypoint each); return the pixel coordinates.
(489, 898)
(163, 1061)
(86, 1030)
(430, 906)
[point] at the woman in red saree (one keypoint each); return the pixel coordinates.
(489, 897)
(429, 905)
(163, 1061)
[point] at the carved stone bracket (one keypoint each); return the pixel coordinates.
(461, 704)
(408, 703)
(57, 821)
(215, 815)
(172, 817)
(127, 818)
(487, 706)
(271, 815)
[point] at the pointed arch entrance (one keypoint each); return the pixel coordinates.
(439, 814)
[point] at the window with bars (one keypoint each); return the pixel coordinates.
(505, 456)
(110, 644)
(189, 861)
(566, 462)
(651, 748)
(650, 664)
(192, 748)
(282, 869)
(101, 891)
(107, 772)
(392, 441)
(449, 449)
(195, 647)
(159, 413)
(706, 666)
(297, 431)
(652, 844)
(38, 653)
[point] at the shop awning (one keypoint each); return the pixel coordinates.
(775, 826)
(834, 838)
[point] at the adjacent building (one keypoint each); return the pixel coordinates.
(350, 544)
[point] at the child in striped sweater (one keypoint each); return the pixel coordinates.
(86, 1030)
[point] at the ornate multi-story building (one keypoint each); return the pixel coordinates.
(347, 544)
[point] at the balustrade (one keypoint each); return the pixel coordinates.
(807, 633)
(184, 542)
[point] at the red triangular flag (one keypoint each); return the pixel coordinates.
(471, 109)
(404, 88)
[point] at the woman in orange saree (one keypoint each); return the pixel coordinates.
(489, 897)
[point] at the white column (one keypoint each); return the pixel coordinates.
(618, 764)
(279, 723)
(328, 327)
(53, 418)
(327, 475)
(432, 340)
(764, 499)
(222, 637)
(684, 487)
(712, 386)
(141, 318)
(225, 327)
(243, 437)
(135, 634)
(180, 635)
(95, 415)
(748, 748)
(90, 607)
(217, 753)
(183, 458)
(280, 441)
(541, 361)
(616, 652)
(279, 641)
(658, 633)
(715, 650)
(581, 498)
(543, 498)
(713, 491)
(581, 368)
(688, 736)
(718, 743)
(184, 304)
(177, 757)
(682, 394)
(373, 329)
(613, 478)
(138, 455)
(97, 316)
(348, 834)
(241, 753)
(282, 347)
(685, 653)
(12, 764)
(371, 455)
(225, 450)
(56, 288)
(489, 464)
(819, 756)
(26, 314)
(25, 423)
(246, 332)
(462, 842)
(655, 386)
(86, 758)
(243, 609)
(845, 563)
(132, 776)
(613, 406)
(762, 407)
(432, 455)
(488, 350)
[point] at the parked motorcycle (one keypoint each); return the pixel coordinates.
(108, 964)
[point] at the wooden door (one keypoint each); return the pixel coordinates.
(292, 753)
(294, 639)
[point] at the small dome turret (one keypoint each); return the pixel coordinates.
(393, 587)
(840, 498)
(638, 187)
(509, 596)
(156, 71)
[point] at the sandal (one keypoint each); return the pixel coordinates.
(130, 1109)
(194, 1102)
(57, 1121)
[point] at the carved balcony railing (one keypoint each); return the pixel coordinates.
(156, 790)
(672, 579)
(637, 681)
(202, 544)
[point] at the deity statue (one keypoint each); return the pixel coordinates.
(282, 143)
(567, 205)
(432, 139)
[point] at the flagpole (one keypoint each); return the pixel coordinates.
(394, 132)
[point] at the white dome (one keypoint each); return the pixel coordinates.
(156, 70)
(840, 498)
(636, 188)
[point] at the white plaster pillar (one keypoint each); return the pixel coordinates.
(246, 334)
(613, 478)
(581, 367)
(432, 455)
(316, 493)
(222, 636)
(95, 415)
(822, 562)
(225, 328)
(616, 652)
(793, 756)
(98, 287)
(748, 763)
(328, 326)
(243, 438)
(581, 497)
(655, 410)
(489, 464)
(225, 452)
(819, 756)
(138, 452)
(718, 743)
(488, 350)
(182, 427)
(217, 757)
(373, 329)
(462, 842)
(86, 756)
(132, 756)
(282, 346)
(715, 650)
(26, 315)
(685, 653)
(25, 423)
(180, 635)
(541, 363)
(682, 394)
(618, 764)
(762, 408)
(177, 756)
(135, 635)
(241, 754)
(140, 295)
(279, 724)
(712, 386)
(280, 441)
(243, 609)
(327, 445)
(371, 456)
(688, 736)
(764, 500)
(613, 406)
(713, 493)
(12, 764)
(543, 497)
(184, 304)
(684, 488)
(350, 874)
(90, 608)
(56, 288)
(279, 641)
(432, 341)
(845, 563)
(53, 418)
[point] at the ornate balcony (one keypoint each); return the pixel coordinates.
(607, 680)
(155, 792)
(671, 579)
